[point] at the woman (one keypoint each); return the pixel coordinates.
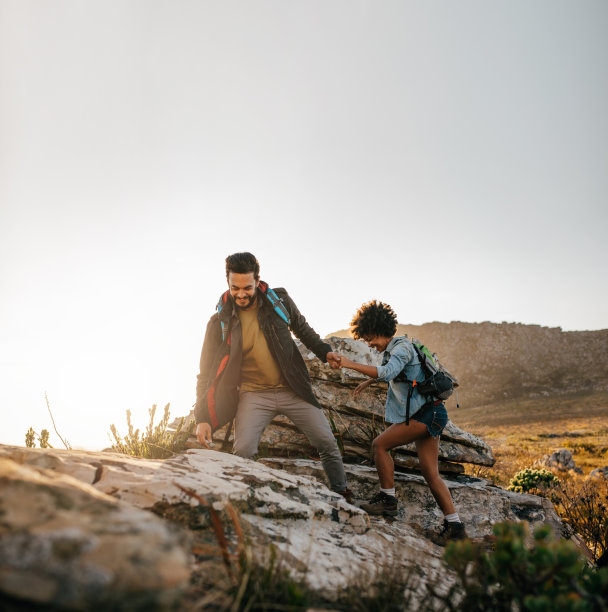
(376, 324)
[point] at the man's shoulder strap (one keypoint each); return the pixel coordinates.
(220, 305)
(275, 301)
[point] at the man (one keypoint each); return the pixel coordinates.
(252, 370)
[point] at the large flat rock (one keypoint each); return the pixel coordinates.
(279, 500)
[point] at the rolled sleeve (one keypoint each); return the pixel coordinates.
(399, 358)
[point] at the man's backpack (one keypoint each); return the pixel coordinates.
(438, 383)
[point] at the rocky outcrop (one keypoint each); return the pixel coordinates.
(356, 421)
(356, 418)
(497, 362)
(92, 516)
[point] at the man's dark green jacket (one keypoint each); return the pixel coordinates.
(217, 389)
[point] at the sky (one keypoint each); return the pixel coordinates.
(450, 159)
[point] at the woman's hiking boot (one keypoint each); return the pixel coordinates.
(451, 531)
(381, 503)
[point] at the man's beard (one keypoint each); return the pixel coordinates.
(249, 303)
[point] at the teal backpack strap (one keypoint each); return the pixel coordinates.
(271, 296)
(220, 305)
(276, 302)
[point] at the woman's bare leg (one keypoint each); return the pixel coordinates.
(428, 452)
(396, 435)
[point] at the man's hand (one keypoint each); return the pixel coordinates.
(203, 434)
(333, 359)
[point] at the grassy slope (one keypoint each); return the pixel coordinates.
(520, 432)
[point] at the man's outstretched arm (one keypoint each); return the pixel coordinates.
(306, 334)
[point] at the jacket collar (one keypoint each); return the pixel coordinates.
(394, 342)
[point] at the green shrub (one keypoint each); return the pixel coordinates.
(545, 576)
(157, 442)
(528, 480)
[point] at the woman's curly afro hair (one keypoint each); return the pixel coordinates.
(374, 319)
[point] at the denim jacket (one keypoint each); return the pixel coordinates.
(400, 354)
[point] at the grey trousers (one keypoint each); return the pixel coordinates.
(257, 408)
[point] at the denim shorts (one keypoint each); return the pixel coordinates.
(434, 417)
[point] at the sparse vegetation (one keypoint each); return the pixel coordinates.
(156, 442)
(545, 574)
(257, 577)
(583, 504)
(43, 438)
(521, 433)
(548, 575)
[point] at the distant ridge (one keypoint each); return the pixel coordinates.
(498, 362)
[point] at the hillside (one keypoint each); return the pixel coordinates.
(502, 362)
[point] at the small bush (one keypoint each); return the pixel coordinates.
(157, 442)
(43, 438)
(549, 575)
(30, 438)
(528, 480)
(387, 587)
(585, 508)
(269, 585)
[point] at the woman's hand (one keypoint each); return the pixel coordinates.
(364, 385)
(345, 362)
(371, 371)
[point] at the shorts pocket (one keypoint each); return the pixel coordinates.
(438, 421)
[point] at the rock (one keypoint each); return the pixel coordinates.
(279, 500)
(601, 472)
(65, 544)
(479, 503)
(561, 460)
(356, 421)
(247, 485)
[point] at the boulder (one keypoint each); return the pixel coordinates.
(561, 460)
(601, 472)
(65, 544)
(356, 422)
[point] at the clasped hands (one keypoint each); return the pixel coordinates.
(335, 360)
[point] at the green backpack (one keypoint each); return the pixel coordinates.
(438, 383)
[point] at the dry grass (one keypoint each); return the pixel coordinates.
(520, 433)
